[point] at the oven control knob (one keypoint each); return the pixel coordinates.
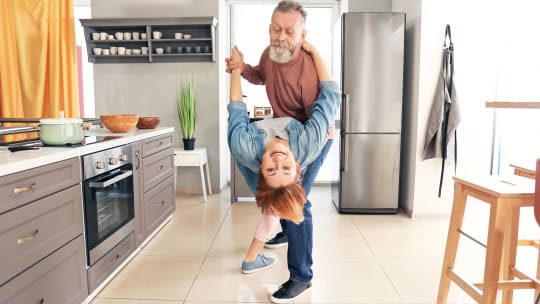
(123, 157)
(113, 161)
(100, 165)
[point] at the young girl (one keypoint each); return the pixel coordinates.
(272, 153)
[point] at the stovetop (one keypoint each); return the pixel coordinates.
(35, 142)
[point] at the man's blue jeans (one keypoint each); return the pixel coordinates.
(299, 252)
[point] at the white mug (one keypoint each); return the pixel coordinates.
(119, 35)
(144, 50)
(106, 52)
(178, 35)
(97, 51)
(157, 35)
(127, 36)
(121, 50)
(113, 50)
(159, 51)
(135, 35)
(103, 36)
(143, 35)
(95, 36)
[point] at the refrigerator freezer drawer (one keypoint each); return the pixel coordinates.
(369, 177)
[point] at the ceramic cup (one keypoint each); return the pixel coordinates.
(135, 35)
(179, 49)
(113, 50)
(144, 50)
(106, 52)
(119, 35)
(178, 35)
(128, 52)
(188, 49)
(97, 51)
(95, 36)
(103, 36)
(187, 36)
(127, 36)
(159, 51)
(168, 50)
(206, 49)
(121, 50)
(143, 35)
(110, 37)
(197, 49)
(136, 51)
(157, 35)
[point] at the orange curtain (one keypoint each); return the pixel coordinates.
(38, 63)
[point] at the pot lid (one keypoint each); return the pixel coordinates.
(60, 121)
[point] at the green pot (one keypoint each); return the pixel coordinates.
(61, 131)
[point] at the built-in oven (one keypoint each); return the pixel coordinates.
(108, 200)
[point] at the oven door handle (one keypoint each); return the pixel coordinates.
(124, 175)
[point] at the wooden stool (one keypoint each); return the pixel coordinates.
(505, 196)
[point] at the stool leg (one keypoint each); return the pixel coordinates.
(493, 252)
(203, 183)
(208, 177)
(456, 220)
(537, 290)
(509, 247)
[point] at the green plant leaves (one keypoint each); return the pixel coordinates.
(187, 109)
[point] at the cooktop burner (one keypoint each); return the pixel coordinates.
(35, 142)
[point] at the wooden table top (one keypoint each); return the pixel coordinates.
(513, 104)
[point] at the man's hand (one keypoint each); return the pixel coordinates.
(236, 61)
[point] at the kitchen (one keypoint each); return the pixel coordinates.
(123, 86)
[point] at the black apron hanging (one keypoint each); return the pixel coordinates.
(445, 115)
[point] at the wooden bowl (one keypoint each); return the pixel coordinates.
(148, 122)
(119, 123)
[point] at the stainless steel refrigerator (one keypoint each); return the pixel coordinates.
(371, 113)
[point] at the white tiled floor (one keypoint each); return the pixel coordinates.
(386, 259)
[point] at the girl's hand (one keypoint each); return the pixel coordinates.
(236, 61)
(308, 47)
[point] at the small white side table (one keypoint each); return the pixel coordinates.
(194, 158)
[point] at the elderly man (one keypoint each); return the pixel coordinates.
(291, 81)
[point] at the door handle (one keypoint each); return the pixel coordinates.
(111, 181)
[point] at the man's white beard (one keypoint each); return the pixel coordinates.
(280, 54)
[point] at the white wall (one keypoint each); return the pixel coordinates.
(150, 89)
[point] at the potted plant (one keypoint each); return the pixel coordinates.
(187, 113)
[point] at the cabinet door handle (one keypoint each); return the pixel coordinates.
(138, 160)
(161, 143)
(116, 258)
(32, 187)
(28, 238)
(41, 301)
(161, 203)
(161, 167)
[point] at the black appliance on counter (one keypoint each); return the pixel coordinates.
(109, 201)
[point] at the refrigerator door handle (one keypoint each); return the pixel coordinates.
(346, 112)
(345, 153)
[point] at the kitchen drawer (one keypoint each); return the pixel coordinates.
(26, 186)
(109, 262)
(158, 204)
(157, 143)
(157, 167)
(60, 278)
(30, 233)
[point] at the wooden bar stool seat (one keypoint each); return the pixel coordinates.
(505, 197)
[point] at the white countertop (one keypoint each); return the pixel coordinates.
(13, 162)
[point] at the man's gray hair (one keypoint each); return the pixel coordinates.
(287, 6)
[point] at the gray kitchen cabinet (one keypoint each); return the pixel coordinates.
(138, 193)
(26, 186)
(30, 233)
(59, 278)
(157, 180)
(42, 256)
(138, 34)
(109, 262)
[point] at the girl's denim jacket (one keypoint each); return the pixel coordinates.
(246, 141)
